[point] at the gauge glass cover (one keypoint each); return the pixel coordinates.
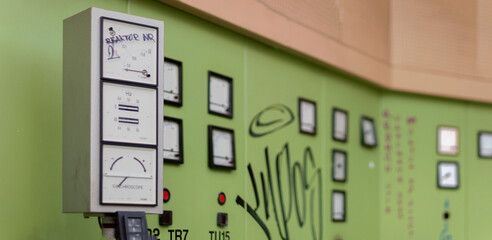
(129, 114)
(128, 52)
(220, 95)
(448, 175)
(173, 82)
(485, 144)
(339, 166)
(173, 142)
(368, 132)
(221, 148)
(447, 140)
(307, 112)
(338, 206)
(340, 120)
(128, 175)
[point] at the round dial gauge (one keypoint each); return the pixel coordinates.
(129, 175)
(129, 52)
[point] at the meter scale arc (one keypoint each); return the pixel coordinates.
(128, 175)
(128, 51)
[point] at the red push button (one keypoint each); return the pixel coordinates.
(222, 198)
(166, 195)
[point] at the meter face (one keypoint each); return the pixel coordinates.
(338, 206)
(339, 166)
(129, 175)
(448, 175)
(448, 140)
(129, 114)
(220, 95)
(368, 133)
(173, 140)
(485, 144)
(129, 52)
(221, 148)
(173, 82)
(307, 111)
(339, 125)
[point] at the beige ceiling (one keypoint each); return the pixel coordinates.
(435, 47)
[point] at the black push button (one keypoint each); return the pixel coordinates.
(222, 219)
(166, 218)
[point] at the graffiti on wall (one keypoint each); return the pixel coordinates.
(399, 165)
(302, 202)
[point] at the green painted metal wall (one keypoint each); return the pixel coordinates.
(400, 203)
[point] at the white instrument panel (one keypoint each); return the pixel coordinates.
(129, 51)
(114, 63)
(129, 114)
(129, 175)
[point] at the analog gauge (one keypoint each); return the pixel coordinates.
(129, 52)
(129, 114)
(485, 144)
(173, 140)
(340, 119)
(128, 175)
(338, 206)
(307, 116)
(173, 81)
(368, 132)
(220, 95)
(221, 148)
(339, 166)
(447, 140)
(447, 175)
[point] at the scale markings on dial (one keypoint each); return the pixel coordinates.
(129, 114)
(129, 52)
(128, 175)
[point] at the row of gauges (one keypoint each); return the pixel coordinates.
(307, 124)
(221, 146)
(448, 142)
(219, 89)
(220, 102)
(339, 157)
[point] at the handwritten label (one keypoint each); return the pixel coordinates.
(399, 165)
